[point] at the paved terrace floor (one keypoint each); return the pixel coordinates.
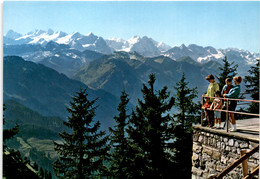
(247, 129)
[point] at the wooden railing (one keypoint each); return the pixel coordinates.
(227, 111)
(239, 161)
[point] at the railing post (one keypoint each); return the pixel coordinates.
(227, 116)
(201, 116)
(237, 162)
(244, 164)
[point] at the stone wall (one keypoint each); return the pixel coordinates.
(214, 150)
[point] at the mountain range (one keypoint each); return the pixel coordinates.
(73, 45)
(48, 92)
(127, 63)
(129, 70)
(74, 40)
(60, 57)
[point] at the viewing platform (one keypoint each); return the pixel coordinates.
(246, 129)
(216, 149)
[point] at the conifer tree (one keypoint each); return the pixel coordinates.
(150, 134)
(119, 161)
(83, 150)
(188, 113)
(227, 71)
(252, 85)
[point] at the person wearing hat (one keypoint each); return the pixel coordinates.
(212, 88)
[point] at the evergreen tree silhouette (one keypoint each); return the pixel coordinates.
(252, 85)
(83, 151)
(119, 141)
(188, 113)
(150, 133)
(227, 71)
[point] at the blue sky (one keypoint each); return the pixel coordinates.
(220, 24)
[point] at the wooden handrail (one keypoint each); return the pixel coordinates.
(233, 99)
(249, 114)
(253, 173)
(237, 162)
(227, 110)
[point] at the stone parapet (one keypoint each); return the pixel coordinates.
(215, 150)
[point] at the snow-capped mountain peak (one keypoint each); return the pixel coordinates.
(134, 40)
(39, 32)
(45, 36)
(145, 46)
(65, 39)
(12, 35)
(117, 40)
(91, 34)
(118, 44)
(76, 35)
(163, 47)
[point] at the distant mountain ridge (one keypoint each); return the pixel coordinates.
(129, 70)
(48, 92)
(75, 40)
(60, 57)
(18, 114)
(73, 50)
(143, 45)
